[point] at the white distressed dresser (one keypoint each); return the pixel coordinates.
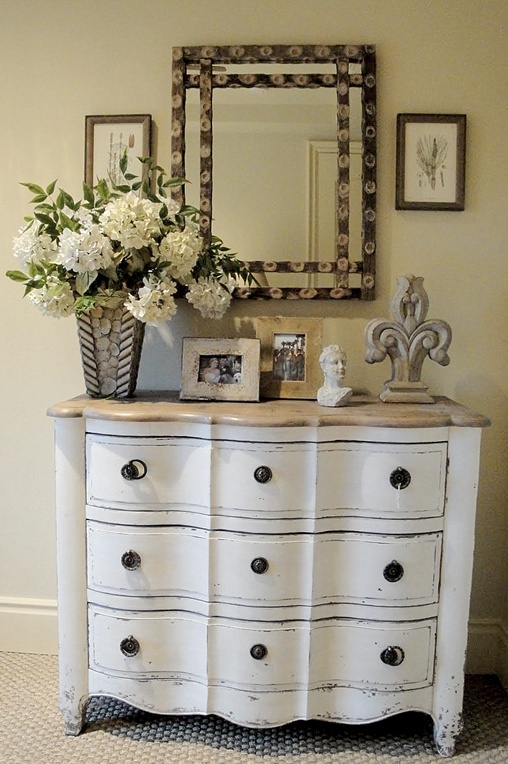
(266, 562)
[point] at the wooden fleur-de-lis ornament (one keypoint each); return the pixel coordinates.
(407, 340)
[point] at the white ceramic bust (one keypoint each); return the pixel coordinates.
(333, 363)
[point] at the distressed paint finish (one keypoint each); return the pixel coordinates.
(308, 634)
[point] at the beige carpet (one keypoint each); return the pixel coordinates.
(31, 731)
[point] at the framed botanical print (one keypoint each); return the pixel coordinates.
(108, 138)
(430, 172)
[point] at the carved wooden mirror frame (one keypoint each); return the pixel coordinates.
(186, 60)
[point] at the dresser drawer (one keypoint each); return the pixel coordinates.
(243, 655)
(147, 471)
(371, 479)
(385, 656)
(146, 644)
(263, 571)
(272, 478)
(382, 479)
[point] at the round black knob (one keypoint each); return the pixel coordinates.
(129, 646)
(131, 560)
(259, 652)
(392, 656)
(263, 474)
(400, 478)
(134, 470)
(393, 571)
(259, 565)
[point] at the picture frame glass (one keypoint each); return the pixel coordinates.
(111, 141)
(289, 354)
(430, 170)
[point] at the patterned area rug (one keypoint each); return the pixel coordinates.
(32, 733)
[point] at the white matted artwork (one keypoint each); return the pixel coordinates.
(290, 349)
(220, 369)
(108, 138)
(430, 173)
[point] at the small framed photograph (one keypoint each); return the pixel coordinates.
(290, 349)
(220, 369)
(431, 162)
(107, 138)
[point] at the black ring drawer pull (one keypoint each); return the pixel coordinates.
(393, 571)
(134, 470)
(392, 656)
(131, 560)
(129, 646)
(259, 652)
(400, 478)
(259, 565)
(263, 474)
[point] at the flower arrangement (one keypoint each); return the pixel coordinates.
(118, 247)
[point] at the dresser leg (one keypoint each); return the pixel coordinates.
(445, 735)
(74, 719)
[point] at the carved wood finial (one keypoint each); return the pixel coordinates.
(408, 340)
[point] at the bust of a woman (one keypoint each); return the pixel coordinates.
(333, 363)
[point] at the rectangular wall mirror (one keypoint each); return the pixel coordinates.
(278, 144)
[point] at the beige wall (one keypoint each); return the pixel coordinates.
(64, 59)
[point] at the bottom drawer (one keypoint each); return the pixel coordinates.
(383, 656)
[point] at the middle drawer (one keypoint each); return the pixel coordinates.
(263, 570)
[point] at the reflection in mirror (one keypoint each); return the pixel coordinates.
(288, 193)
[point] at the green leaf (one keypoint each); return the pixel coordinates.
(102, 189)
(88, 194)
(45, 219)
(35, 189)
(67, 199)
(17, 276)
(51, 188)
(39, 198)
(124, 162)
(85, 280)
(67, 222)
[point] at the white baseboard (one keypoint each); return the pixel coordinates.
(30, 626)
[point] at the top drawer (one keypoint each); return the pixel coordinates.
(275, 479)
(405, 480)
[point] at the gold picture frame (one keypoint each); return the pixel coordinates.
(220, 369)
(290, 349)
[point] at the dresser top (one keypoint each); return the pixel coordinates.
(161, 406)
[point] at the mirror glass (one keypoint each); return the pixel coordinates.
(275, 195)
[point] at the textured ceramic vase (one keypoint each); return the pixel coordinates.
(110, 341)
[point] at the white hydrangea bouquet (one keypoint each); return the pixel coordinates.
(118, 247)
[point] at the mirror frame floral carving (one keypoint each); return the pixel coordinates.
(197, 67)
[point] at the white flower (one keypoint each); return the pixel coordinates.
(132, 221)
(54, 299)
(155, 302)
(181, 250)
(33, 247)
(210, 297)
(86, 250)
